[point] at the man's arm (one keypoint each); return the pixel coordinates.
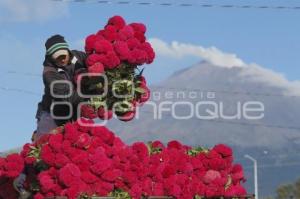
(61, 86)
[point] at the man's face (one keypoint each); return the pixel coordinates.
(63, 60)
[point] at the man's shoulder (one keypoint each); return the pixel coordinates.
(78, 53)
(49, 69)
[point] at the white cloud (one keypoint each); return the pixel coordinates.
(31, 10)
(258, 73)
(212, 54)
(251, 72)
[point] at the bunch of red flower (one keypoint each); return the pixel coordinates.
(92, 161)
(10, 168)
(116, 52)
(118, 43)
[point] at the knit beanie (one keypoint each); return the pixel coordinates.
(55, 43)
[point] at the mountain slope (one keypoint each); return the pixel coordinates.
(277, 133)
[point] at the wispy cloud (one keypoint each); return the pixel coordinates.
(31, 10)
(217, 57)
(257, 73)
(179, 50)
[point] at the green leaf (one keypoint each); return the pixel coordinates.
(119, 194)
(139, 90)
(228, 183)
(197, 197)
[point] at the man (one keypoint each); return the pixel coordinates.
(60, 97)
(61, 65)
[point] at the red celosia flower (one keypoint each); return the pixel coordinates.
(69, 174)
(55, 142)
(133, 43)
(117, 21)
(47, 155)
(88, 177)
(84, 140)
(104, 114)
(103, 46)
(236, 190)
(128, 116)
(126, 33)
(210, 176)
(122, 50)
(111, 175)
(175, 144)
(111, 61)
(224, 150)
(96, 68)
(89, 43)
(46, 182)
(61, 160)
(92, 59)
(138, 27)
(87, 111)
(140, 36)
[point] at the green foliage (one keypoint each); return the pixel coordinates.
(195, 151)
(288, 191)
(120, 194)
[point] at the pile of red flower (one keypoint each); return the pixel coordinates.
(80, 161)
(116, 52)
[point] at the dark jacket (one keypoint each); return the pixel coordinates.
(52, 73)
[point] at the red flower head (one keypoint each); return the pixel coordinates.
(175, 145)
(84, 140)
(109, 33)
(122, 50)
(55, 142)
(145, 96)
(111, 175)
(103, 46)
(46, 181)
(88, 111)
(139, 27)
(236, 190)
(61, 160)
(168, 171)
(104, 114)
(112, 60)
(224, 150)
(210, 176)
(47, 155)
(69, 174)
(149, 50)
(140, 149)
(13, 166)
(89, 43)
(26, 149)
(39, 196)
(138, 57)
(101, 166)
(92, 59)
(140, 36)
(88, 177)
(126, 33)
(237, 173)
(71, 132)
(117, 21)
(217, 164)
(133, 43)
(158, 144)
(128, 116)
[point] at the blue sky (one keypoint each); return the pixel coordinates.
(270, 38)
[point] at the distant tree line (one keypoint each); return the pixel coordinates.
(288, 191)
